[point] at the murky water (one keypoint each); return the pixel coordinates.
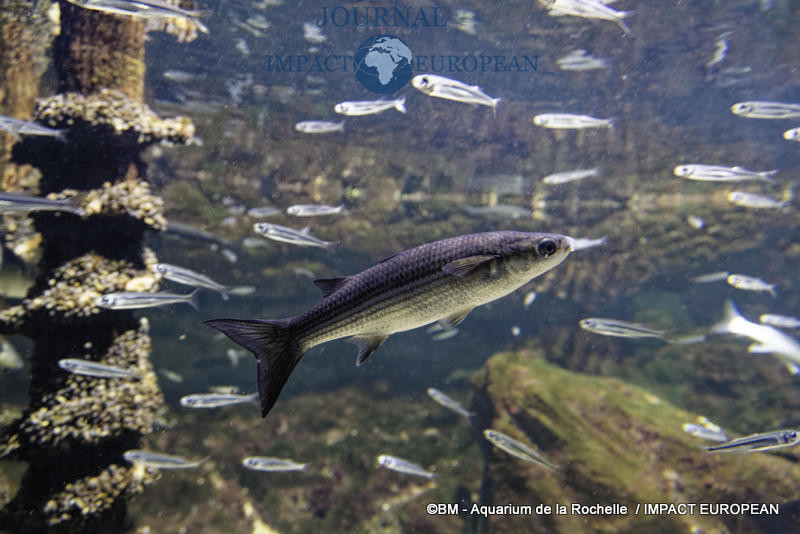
(606, 410)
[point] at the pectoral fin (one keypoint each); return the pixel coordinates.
(453, 320)
(367, 345)
(464, 266)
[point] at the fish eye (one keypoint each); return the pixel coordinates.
(547, 248)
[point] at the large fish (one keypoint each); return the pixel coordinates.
(440, 281)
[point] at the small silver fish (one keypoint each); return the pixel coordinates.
(273, 465)
(172, 376)
(588, 9)
(18, 128)
(569, 121)
(22, 203)
(751, 200)
(688, 339)
(582, 243)
(284, 234)
(616, 328)
(766, 110)
(255, 242)
(447, 333)
(760, 442)
(530, 296)
(464, 21)
(370, 107)
(579, 60)
(313, 210)
(264, 211)
(768, 340)
(313, 34)
(188, 277)
(695, 222)
(498, 211)
(781, 321)
(216, 400)
(710, 277)
(134, 300)
(9, 357)
(750, 283)
(570, 176)
(792, 135)
(95, 369)
(319, 127)
(157, 460)
(718, 173)
(302, 271)
(179, 76)
(441, 87)
(703, 432)
(517, 448)
(403, 466)
(720, 50)
(143, 9)
(447, 402)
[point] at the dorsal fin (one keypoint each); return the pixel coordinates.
(329, 285)
(387, 258)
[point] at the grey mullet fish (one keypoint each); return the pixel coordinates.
(440, 281)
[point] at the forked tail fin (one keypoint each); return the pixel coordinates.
(272, 344)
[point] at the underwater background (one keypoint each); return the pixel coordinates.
(168, 124)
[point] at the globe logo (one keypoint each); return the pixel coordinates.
(383, 64)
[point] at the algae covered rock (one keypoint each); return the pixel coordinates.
(616, 445)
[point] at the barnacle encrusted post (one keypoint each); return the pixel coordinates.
(96, 51)
(76, 428)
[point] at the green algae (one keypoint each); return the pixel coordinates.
(615, 443)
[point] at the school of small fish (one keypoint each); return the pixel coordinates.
(766, 336)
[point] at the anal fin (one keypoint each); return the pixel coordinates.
(367, 345)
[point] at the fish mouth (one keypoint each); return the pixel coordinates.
(569, 244)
